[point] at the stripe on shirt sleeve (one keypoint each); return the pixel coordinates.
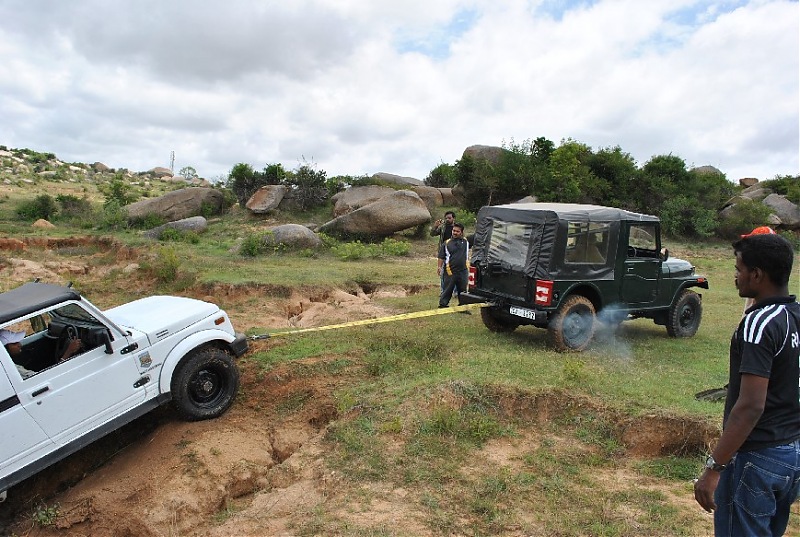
(758, 320)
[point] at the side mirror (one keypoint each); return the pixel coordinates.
(664, 254)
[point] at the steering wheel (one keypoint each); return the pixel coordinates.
(67, 334)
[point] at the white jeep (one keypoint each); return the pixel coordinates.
(129, 360)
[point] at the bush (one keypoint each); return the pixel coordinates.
(113, 217)
(309, 185)
(786, 185)
(252, 245)
(166, 264)
(178, 235)
(42, 206)
(353, 251)
(684, 217)
(119, 191)
(743, 218)
(73, 206)
(442, 176)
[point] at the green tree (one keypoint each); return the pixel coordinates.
(571, 179)
(274, 174)
(309, 185)
(42, 206)
(244, 182)
(442, 176)
(478, 181)
(188, 172)
(619, 173)
(118, 191)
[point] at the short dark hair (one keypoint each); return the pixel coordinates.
(459, 226)
(771, 253)
(450, 212)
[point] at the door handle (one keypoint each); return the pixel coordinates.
(141, 382)
(40, 391)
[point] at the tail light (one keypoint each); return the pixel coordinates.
(473, 276)
(544, 293)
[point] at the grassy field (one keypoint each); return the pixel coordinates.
(486, 433)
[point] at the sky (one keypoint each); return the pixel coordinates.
(356, 87)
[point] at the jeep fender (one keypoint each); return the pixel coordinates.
(687, 285)
(183, 348)
(586, 289)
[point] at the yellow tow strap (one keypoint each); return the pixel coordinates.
(391, 318)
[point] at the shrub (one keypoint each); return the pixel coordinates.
(178, 235)
(442, 176)
(786, 185)
(119, 191)
(166, 264)
(309, 185)
(252, 245)
(684, 217)
(42, 206)
(113, 217)
(353, 251)
(73, 206)
(743, 218)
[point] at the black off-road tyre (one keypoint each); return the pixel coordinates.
(205, 384)
(685, 315)
(572, 327)
(497, 322)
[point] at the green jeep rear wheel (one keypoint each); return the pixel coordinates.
(572, 327)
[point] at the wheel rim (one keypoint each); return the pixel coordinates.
(577, 328)
(206, 387)
(686, 316)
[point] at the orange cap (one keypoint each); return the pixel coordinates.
(761, 230)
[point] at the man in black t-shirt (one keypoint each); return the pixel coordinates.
(753, 474)
(454, 265)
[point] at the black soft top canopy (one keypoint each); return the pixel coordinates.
(544, 212)
(31, 297)
(549, 223)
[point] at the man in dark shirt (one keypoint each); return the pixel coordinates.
(753, 474)
(444, 230)
(454, 265)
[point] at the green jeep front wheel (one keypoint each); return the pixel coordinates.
(685, 314)
(572, 326)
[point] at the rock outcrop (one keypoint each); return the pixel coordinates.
(396, 179)
(266, 199)
(292, 236)
(358, 196)
(177, 204)
(396, 212)
(198, 224)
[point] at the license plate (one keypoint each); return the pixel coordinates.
(522, 312)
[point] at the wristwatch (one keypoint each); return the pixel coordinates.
(713, 465)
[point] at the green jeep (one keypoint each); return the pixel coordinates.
(565, 266)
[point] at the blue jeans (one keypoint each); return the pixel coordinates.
(756, 491)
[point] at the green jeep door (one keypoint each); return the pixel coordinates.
(642, 265)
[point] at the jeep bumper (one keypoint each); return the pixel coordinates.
(239, 345)
(468, 298)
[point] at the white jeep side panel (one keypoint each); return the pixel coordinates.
(76, 396)
(22, 441)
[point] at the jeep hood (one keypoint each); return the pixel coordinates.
(161, 316)
(674, 267)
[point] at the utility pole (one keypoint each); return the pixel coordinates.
(172, 161)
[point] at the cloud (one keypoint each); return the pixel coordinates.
(361, 87)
